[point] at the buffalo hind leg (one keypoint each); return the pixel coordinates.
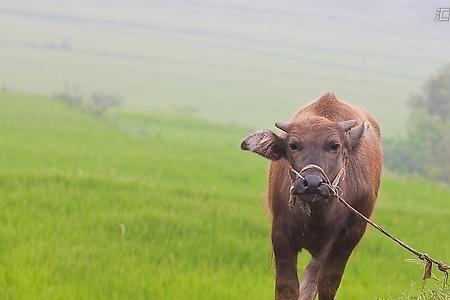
(286, 281)
(308, 284)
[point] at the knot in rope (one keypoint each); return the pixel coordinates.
(333, 186)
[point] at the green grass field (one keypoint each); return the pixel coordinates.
(163, 206)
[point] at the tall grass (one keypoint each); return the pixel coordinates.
(161, 206)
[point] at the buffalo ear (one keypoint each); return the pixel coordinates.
(266, 144)
(355, 133)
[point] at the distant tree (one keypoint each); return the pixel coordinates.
(440, 154)
(74, 99)
(96, 104)
(435, 97)
(71, 94)
(100, 102)
(425, 147)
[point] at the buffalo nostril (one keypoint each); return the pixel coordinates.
(305, 183)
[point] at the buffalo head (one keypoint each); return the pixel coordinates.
(315, 140)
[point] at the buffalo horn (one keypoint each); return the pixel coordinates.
(282, 126)
(347, 125)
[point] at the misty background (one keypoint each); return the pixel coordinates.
(246, 63)
(120, 122)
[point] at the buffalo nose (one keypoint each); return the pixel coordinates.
(311, 183)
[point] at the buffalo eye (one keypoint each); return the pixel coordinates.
(294, 145)
(334, 147)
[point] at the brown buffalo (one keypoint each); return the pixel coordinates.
(339, 138)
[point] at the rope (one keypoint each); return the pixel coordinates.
(335, 189)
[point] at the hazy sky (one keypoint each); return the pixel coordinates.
(237, 62)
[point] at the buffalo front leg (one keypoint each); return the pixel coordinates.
(286, 280)
(334, 263)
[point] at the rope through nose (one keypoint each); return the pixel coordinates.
(333, 186)
(328, 182)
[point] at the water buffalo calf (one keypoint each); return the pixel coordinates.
(339, 138)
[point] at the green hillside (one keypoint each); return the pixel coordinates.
(161, 206)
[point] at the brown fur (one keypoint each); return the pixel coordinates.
(330, 232)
